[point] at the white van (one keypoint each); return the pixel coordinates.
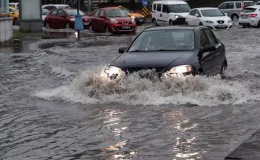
(169, 12)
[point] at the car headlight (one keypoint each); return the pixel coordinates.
(113, 21)
(113, 72)
(229, 21)
(178, 70)
(72, 19)
(142, 16)
(178, 16)
(208, 21)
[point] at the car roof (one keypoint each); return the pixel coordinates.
(171, 2)
(204, 8)
(184, 27)
(109, 8)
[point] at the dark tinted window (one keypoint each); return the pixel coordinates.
(223, 6)
(165, 10)
(96, 14)
(45, 11)
(238, 5)
(193, 12)
(258, 3)
(154, 6)
(61, 13)
(230, 5)
(54, 12)
(211, 37)
(198, 13)
(203, 39)
(249, 10)
(159, 7)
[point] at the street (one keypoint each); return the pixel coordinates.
(55, 104)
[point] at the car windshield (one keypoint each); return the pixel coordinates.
(126, 10)
(73, 12)
(45, 11)
(116, 13)
(212, 13)
(164, 40)
(179, 8)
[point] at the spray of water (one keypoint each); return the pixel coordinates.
(145, 88)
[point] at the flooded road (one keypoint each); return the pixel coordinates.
(55, 104)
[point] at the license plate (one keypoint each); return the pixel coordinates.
(244, 16)
(125, 27)
(221, 26)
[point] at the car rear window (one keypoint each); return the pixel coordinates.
(249, 10)
(249, 3)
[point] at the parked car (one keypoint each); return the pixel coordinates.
(169, 12)
(250, 17)
(171, 51)
(55, 6)
(64, 18)
(44, 13)
(139, 18)
(258, 3)
(14, 13)
(212, 18)
(14, 5)
(233, 8)
(111, 19)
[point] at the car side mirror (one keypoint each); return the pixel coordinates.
(121, 50)
(208, 48)
(197, 15)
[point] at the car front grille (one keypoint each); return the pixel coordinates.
(221, 22)
(146, 72)
(125, 23)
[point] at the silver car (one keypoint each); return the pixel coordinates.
(233, 8)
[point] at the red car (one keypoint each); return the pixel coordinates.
(111, 19)
(64, 18)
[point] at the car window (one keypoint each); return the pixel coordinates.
(211, 37)
(198, 13)
(54, 12)
(96, 13)
(179, 8)
(193, 12)
(223, 6)
(238, 5)
(249, 10)
(102, 13)
(203, 39)
(159, 7)
(154, 6)
(45, 11)
(73, 12)
(249, 4)
(258, 3)
(61, 13)
(161, 40)
(230, 5)
(212, 13)
(116, 13)
(165, 10)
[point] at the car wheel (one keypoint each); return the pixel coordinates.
(67, 25)
(258, 24)
(15, 21)
(47, 25)
(234, 18)
(201, 24)
(244, 26)
(154, 22)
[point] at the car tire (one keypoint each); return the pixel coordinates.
(106, 29)
(170, 23)
(234, 18)
(47, 25)
(201, 24)
(244, 26)
(15, 21)
(258, 24)
(67, 25)
(154, 22)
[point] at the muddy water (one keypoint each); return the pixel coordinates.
(55, 104)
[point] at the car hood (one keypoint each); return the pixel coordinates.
(152, 60)
(224, 18)
(135, 14)
(184, 14)
(121, 19)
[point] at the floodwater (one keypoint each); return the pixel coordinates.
(55, 104)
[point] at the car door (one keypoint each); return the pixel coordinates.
(219, 55)
(101, 20)
(191, 17)
(206, 58)
(94, 20)
(223, 7)
(165, 14)
(229, 8)
(61, 19)
(198, 16)
(52, 19)
(159, 14)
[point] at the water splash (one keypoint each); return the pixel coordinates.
(89, 87)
